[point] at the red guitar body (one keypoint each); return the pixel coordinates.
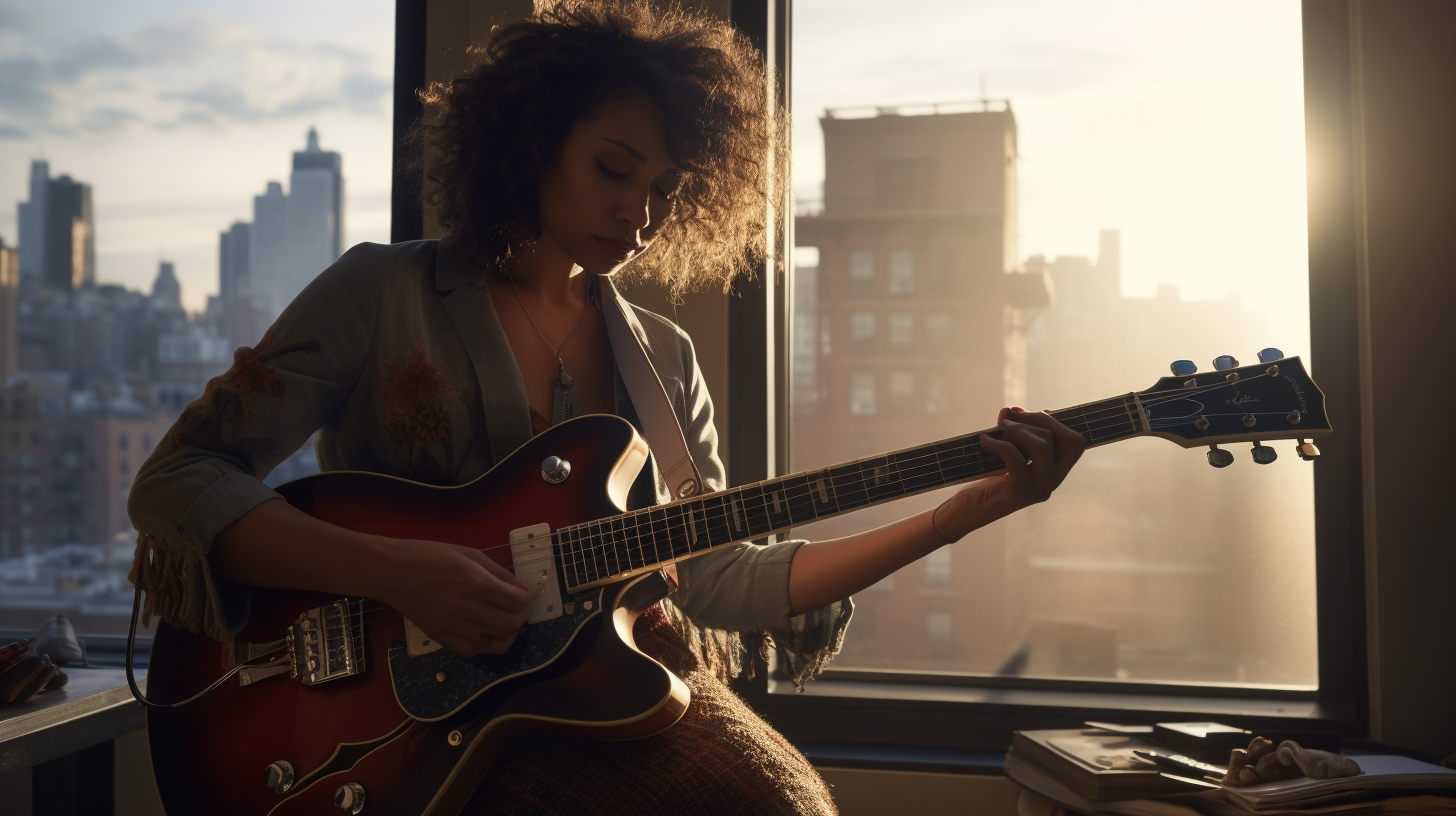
(584, 677)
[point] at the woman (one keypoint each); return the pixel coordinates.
(588, 140)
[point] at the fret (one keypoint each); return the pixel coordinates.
(567, 554)
(621, 542)
(715, 517)
(794, 489)
(777, 506)
(961, 458)
(755, 510)
(735, 504)
(677, 534)
(849, 487)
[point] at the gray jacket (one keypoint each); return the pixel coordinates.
(395, 356)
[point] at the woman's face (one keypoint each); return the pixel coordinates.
(611, 186)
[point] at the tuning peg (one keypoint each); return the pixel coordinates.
(1263, 454)
(1225, 362)
(1218, 457)
(1270, 355)
(1306, 450)
(1183, 368)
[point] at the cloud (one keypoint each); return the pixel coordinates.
(187, 73)
(11, 132)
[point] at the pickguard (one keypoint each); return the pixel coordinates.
(433, 686)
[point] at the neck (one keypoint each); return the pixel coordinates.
(542, 270)
(610, 549)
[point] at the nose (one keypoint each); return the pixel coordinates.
(635, 209)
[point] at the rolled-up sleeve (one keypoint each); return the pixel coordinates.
(745, 587)
(207, 472)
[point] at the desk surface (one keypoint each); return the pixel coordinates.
(95, 706)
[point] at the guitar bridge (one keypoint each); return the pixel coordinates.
(327, 642)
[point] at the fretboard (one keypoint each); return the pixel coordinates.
(620, 546)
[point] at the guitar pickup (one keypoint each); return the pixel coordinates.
(534, 560)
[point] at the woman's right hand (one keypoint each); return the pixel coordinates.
(460, 597)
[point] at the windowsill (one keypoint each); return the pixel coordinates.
(95, 706)
(1133, 702)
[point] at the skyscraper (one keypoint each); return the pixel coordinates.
(232, 261)
(32, 221)
(69, 235)
(166, 291)
(294, 235)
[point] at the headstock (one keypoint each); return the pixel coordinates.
(1274, 399)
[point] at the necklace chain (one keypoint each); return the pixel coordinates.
(527, 312)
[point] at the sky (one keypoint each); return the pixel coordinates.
(178, 113)
(1181, 124)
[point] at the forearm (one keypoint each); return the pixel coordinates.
(826, 571)
(277, 545)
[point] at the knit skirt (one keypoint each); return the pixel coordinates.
(720, 758)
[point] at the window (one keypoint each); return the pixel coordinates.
(937, 567)
(977, 211)
(862, 394)
(901, 330)
(220, 103)
(862, 330)
(902, 272)
(861, 265)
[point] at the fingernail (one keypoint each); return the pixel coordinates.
(1019, 410)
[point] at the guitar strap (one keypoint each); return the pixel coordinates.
(654, 409)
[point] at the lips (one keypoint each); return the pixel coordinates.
(618, 251)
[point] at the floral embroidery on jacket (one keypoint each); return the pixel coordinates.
(415, 414)
(227, 402)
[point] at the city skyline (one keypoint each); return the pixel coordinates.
(1091, 93)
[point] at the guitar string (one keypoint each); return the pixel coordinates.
(636, 518)
(592, 559)
(663, 523)
(651, 525)
(613, 539)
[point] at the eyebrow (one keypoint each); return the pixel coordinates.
(626, 147)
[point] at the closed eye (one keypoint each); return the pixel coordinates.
(612, 174)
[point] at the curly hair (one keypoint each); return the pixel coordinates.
(488, 135)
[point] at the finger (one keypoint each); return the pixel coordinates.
(1038, 447)
(1070, 444)
(1010, 456)
(505, 591)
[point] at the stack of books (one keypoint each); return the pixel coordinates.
(1094, 771)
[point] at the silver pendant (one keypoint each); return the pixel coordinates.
(563, 402)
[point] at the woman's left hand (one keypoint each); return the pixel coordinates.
(1038, 452)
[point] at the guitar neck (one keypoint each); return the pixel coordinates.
(620, 546)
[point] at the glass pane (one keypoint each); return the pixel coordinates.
(171, 172)
(1042, 204)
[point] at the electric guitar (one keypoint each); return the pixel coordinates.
(326, 703)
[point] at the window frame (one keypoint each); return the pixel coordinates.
(895, 712)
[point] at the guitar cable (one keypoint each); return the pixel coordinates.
(136, 608)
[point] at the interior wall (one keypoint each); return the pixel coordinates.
(1403, 69)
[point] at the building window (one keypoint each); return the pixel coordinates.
(937, 568)
(861, 265)
(862, 330)
(862, 394)
(901, 332)
(122, 441)
(938, 629)
(902, 272)
(937, 395)
(902, 391)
